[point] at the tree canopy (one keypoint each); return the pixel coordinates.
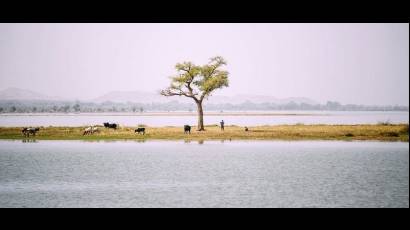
(198, 82)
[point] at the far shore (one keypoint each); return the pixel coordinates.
(379, 132)
(177, 113)
(206, 113)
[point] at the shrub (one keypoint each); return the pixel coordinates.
(391, 134)
(384, 122)
(405, 130)
(349, 135)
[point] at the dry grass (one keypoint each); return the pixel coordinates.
(280, 132)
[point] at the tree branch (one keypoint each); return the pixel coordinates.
(169, 92)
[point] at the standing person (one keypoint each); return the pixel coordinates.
(222, 125)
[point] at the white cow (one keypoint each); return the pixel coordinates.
(91, 130)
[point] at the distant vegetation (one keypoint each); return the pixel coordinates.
(11, 106)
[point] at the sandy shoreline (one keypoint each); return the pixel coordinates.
(397, 132)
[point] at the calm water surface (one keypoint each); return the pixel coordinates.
(306, 117)
(211, 174)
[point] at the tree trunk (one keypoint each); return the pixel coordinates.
(200, 117)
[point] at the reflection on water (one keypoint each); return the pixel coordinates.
(112, 140)
(29, 141)
(204, 174)
(189, 141)
(201, 141)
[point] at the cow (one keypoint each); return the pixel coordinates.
(27, 131)
(23, 131)
(95, 130)
(187, 129)
(112, 126)
(140, 130)
(90, 130)
(87, 131)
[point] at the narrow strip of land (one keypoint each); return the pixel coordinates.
(398, 132)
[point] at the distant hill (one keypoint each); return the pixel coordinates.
(17, 94)
(23, 94)
(137, 96)
(148, 97)
(238, 99)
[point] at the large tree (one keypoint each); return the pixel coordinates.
(198, 82)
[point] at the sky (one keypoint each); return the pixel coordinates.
(350, 63)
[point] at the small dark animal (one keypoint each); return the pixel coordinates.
(187, 129)
(27, 131)
(111, 126)
(246, 129)
(24, 130)
(140, 130)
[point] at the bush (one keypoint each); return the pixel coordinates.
(391, 134)
(384, 123)
(405, 130)
(349, 135)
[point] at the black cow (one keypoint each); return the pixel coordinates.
(24, 131)
(187, 129)
(140, 130)
(111, 126)
(27, 131)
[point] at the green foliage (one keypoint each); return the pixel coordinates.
(76, 107)
(391, 134)
(405, 129)
(198, 82)
(384, 122)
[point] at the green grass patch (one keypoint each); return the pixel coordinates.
(392, 132)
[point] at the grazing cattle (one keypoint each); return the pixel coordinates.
(90, 130)
(111, 126)
(23, 131)
(87, 131)
(27, 131)
(140, 130)
(187, 129)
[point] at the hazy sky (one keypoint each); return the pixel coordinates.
(350, 63)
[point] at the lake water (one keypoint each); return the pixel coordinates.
(204, 174)
(305, 117)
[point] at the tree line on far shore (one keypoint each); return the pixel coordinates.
(130, 107)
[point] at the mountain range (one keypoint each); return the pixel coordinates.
(138, 96)
(23, 94)
(152, 97)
